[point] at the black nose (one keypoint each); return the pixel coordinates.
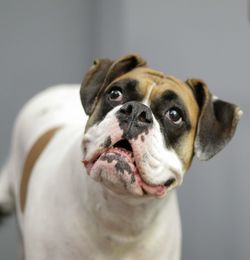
(134, 118)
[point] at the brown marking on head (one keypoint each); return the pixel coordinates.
(184, 147)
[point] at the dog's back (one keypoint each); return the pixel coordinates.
(55, 107)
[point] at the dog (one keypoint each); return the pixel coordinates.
(102, 184)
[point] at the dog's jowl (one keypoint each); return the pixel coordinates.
(99, 182)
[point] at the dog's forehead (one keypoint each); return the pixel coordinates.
(153, 84)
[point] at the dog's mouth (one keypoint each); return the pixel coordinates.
(124, 144)
(118, 160)
(122, 147)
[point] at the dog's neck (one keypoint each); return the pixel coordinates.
(119, 216)
(123, 216)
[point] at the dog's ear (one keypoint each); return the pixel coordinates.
(101, 74)
(217, 121)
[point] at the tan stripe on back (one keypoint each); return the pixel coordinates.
(31, 159)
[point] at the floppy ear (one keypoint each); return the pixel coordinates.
(101, 74)
(217, 121)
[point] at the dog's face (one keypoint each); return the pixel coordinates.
(144, 127)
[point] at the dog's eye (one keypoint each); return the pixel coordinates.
(174, 115)
(115, 95)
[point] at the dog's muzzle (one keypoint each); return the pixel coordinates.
(125, 151)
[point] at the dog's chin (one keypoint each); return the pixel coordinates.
(116, 168)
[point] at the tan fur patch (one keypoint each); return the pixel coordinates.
(30, 161)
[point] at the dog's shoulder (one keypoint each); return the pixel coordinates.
(56, 106)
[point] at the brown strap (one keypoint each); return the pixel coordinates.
(31, 159)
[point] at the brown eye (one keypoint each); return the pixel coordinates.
(174, 115)
(115, 95)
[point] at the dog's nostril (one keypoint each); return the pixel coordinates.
(127, 110)
(144, 117)
(169, 182)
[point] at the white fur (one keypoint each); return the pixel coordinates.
(97, 134)
(158, 162)
(146, 100)
(70, 216)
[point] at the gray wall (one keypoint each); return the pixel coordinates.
(49, 42)
(209, 40)
(41, 43)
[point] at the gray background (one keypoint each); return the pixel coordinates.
(50, 42)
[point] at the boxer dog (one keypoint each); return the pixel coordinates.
(101, 185)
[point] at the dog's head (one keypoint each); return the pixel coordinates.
(144, 127)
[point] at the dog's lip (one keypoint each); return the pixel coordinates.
(89, 163)
(159, 189)
(98, 153)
